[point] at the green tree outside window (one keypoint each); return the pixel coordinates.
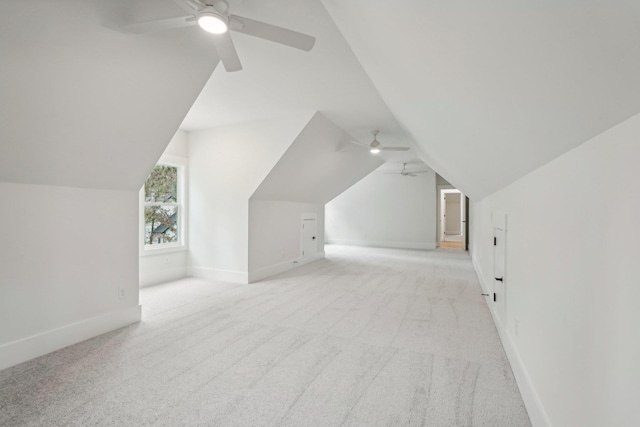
(161, 206)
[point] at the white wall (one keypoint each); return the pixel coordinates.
(275, 236)
(226, 165)
(66, 253)
(572, 281)
(93, 108)
(385, 210)
(165, 265)
(178, 146)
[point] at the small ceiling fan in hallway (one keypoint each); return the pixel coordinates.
(405, 172)
(214, 17)
(375, 146)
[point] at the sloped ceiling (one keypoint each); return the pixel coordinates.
(485, 92)
(313, 169)
(85, 105)
(277, 80)
(489, 91)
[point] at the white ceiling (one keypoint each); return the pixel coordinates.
(85, 105)
(277, 80)
(492, 90)
(313, 169)
(487, 92)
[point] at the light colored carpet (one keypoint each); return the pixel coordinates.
(366, 337)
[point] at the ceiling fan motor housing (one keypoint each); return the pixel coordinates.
(220, 6)
(214, 18)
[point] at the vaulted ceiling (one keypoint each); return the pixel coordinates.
(484, 92)
(314, 169)
(83, 104)
(277, 80)
(490, 91)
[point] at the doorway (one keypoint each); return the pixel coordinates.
(452, 225)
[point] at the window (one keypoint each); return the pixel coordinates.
(163, 208)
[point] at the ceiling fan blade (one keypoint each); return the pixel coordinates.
(271, 32)
(393, 173)
(394, 148)
(418, 171)
(227, 52)
(160, 25)
(190, 6)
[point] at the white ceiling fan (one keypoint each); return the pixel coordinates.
(375, 147)
(405, 172)
(213, 16)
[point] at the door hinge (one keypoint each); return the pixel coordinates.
(494, 297)
(495, 241)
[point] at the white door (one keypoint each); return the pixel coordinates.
(453, 218)
(499, 289)
(309, 241)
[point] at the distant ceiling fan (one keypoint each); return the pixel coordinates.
(405, 172)
(375, 147)
(213, 16)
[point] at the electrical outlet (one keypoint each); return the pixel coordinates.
(122, 293)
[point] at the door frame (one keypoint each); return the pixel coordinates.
(442, 208)
(465, 222)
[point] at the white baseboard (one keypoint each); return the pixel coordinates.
(314, 257)
(383, 244)
(215, 274)
(160, 276)
(281, 267)
(34, 346)
(537, 414)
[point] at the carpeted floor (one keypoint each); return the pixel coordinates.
(366, 337)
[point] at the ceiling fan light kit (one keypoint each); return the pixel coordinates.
(375, 144)
(212, 21)
(214, 17)
(405, 172)
(375, 147)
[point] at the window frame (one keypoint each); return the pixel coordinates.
(181, 164)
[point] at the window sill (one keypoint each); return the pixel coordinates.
(162, 250)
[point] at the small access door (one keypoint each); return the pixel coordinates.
(309, 241)
(499, 266)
